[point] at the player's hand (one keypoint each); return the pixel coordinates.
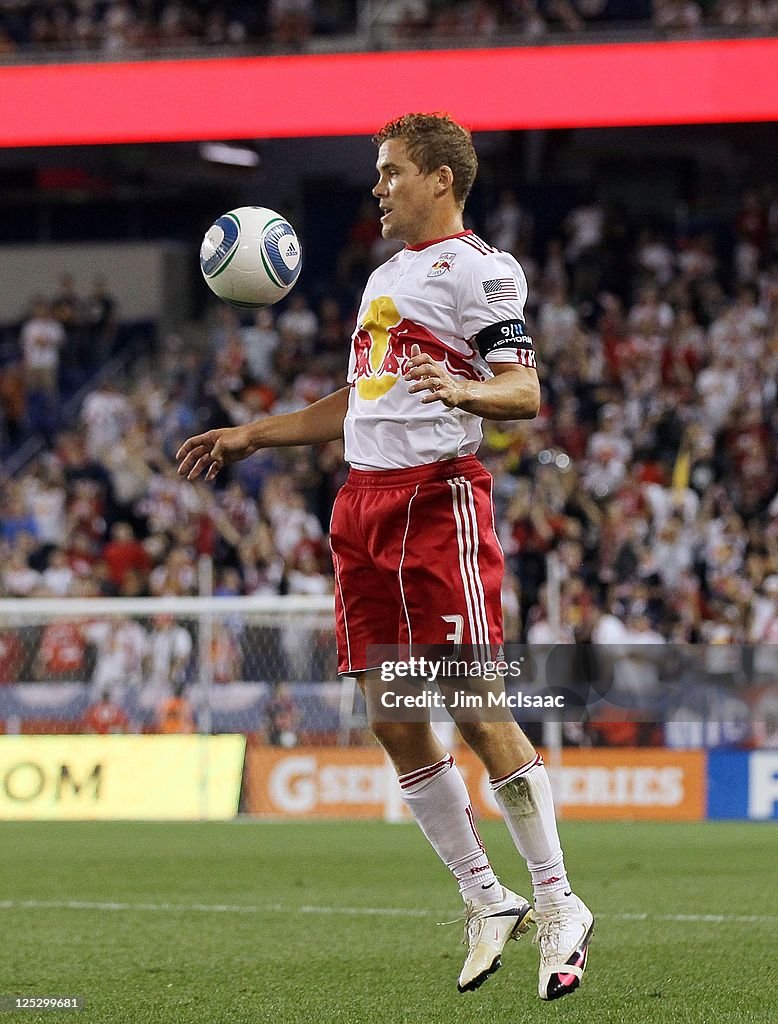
(208, 453)
(427, 375)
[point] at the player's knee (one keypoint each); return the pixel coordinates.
(397, 737)
(501, 746)
(478, 735)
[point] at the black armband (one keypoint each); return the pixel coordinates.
(510, 334)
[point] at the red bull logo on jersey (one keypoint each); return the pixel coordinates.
(382, 349)
(442, 264)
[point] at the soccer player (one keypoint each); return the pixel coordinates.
(440, 344)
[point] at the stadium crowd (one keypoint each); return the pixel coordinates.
(63, 341)
(652, 469)
(651, 472)
(117, 26)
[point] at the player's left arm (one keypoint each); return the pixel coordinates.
(490, 293)
(512, 394)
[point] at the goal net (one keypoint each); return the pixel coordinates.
(263, 666)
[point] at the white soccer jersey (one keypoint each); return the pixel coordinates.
(462, 302)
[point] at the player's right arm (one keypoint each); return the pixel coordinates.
(316, 424)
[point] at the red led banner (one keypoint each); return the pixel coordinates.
(353, 94)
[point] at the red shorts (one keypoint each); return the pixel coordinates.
(417, 560)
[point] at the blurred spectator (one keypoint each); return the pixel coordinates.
(123, 554)
(763, 631)
(45, 497)
(230, 369)
(100, 317)
(403, 18)
(167, 502)
(107, 416)
(608, 454)
(292, 22)
(765, 719)
(298, 324)
(105, 717)
(120, 646)
(290, 519)
(508, 227)
(282, 717)
(7, 43)
(305, 575)
(684, 14)
(355, 261)
(333, 336)
(649, 315)
(583, 228)
(131, 463)
(178, 420)
(68, 308)
(176, 714)
(177, 574)
(718, 387)
(226, 655)
(260, 341)
(42, 337)
(168, 652)
(298, 639)
(57, 577)
(557, 322)
(18, 576)
(12, 656)
(637, 669)
(13, 402)
(62, 654)
(16, 518)
(655, 257)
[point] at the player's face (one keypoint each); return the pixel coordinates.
(405, 194)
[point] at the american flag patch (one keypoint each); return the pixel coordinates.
(500, 289)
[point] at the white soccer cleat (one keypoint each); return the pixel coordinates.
(563, 936)
(487, 929)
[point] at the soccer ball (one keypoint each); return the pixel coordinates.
(251, 257)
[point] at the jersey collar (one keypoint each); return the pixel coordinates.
(434, 241)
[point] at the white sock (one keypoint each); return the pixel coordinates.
(524, 797)
(438, 799)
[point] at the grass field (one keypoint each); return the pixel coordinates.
(337, 922)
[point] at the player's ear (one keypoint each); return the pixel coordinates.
(445, 180)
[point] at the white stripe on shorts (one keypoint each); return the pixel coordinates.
(481, 600)
(468, 566)
(400, 568)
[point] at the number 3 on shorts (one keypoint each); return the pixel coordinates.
(458, 622)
